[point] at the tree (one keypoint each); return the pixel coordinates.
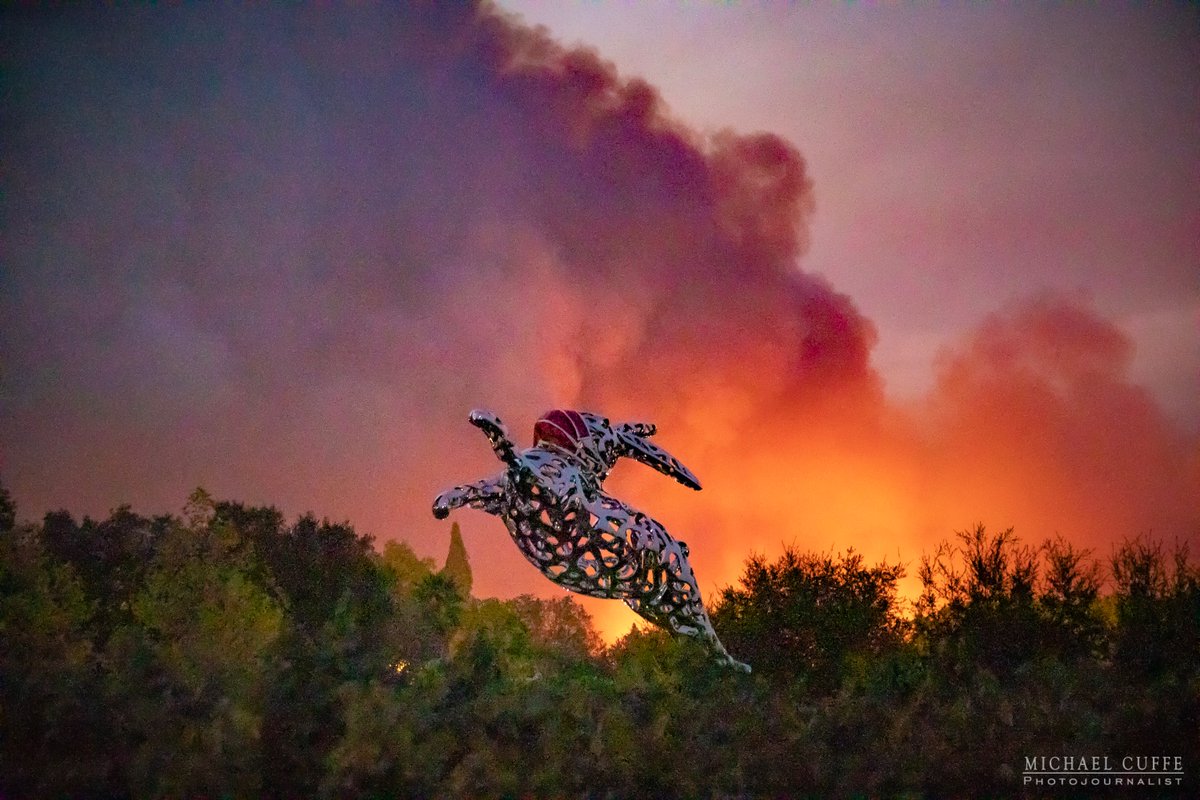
(980, 599)
(54, 741)
(441, 601)
(458, 566)
(197, 665)
(1158, 609)
(1068, 599)
(807, 616)
(344, 624)
(559, 625)
(110, 557)
(406, 569)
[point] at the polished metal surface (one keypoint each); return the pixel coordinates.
(551, 500)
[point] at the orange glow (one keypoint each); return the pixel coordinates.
(455, 210)
(1028, 434)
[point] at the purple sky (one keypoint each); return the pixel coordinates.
(878, 273)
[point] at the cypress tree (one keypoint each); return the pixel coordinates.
(458, 566)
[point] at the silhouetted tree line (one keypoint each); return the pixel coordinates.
(226, 652)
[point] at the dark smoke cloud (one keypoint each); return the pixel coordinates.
(281, 252)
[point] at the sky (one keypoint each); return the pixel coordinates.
(878, 273)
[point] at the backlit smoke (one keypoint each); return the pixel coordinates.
(282, 252)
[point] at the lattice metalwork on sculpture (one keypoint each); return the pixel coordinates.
(552, 501)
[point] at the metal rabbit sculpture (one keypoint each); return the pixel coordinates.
(551, 499)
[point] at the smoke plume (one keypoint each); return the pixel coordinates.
(281, 252)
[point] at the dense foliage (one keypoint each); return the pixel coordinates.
(228, 653)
